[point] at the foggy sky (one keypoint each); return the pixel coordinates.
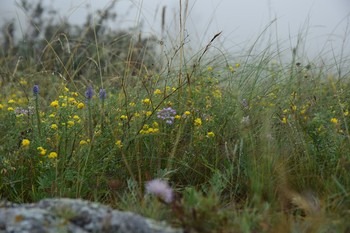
(322, 23)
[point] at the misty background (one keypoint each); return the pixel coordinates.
(320, 26)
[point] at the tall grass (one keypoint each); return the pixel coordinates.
(255, 145)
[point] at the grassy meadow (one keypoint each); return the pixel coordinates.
(248, 144)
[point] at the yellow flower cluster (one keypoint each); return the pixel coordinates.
(157, 92)
(146, 101)
(119, 144)
(217, 94)
(146, 129)
(70, 124)
(210, 134)
(41, 150)
(65, 100)
(232, 69)
(123, 117)
(197, 122)
(54, 104)
(54, 126)
(84, 142)
(52, 155)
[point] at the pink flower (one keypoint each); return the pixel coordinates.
(161, 189)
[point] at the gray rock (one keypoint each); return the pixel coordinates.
(74, 216)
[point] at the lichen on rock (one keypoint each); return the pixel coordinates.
(74, 216)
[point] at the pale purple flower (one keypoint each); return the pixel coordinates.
(24, 111)
(167, 114)
(89, 93)
(161, 189)
(102, 94)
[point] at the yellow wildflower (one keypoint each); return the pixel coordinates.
(75, 94)
(148, 113)
(70, 123)
(1, 106)
(177, 117)
(72, 100)
(187, 113)
(217, 94)
(11, 101)
(83, 142)
(10, 109)
(210, 134)
(334, 120)
(157, 92)
(123, 117)
(81, 105)
(132, 104)
(198, 122)
(77, 118)
(54, 126)
(155, 124)
(25, 143)
(41, 150)
(209, 68)
(119, 144)
(54, 104)
(146, 101)
(23, 82)
(52, 155)
(284, 120)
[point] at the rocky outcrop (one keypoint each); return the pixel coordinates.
(74, 216)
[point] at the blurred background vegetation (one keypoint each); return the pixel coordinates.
(84, 52)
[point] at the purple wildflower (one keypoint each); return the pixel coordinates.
(89, 93)
(167, 114)
(36, 89)
(161, 189)
(24, 111)
(102, 94)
